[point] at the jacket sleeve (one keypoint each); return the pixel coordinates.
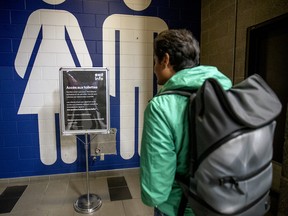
(158, 157)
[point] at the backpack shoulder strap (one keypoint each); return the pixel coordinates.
(186, 93)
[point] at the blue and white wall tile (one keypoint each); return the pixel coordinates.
(37, 37)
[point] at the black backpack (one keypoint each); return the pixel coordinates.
(231, 137)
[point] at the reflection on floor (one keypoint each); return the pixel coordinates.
(55, 195)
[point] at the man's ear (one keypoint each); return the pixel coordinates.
(166, 59)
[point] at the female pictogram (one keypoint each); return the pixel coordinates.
(41, 95)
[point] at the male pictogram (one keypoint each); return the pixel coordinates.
(128, 48)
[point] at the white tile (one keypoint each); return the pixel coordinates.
(28, 43)
(128, 109)
(112, 22)
(108, 34)
(74, 33)
(50, 73)
(127, 146)
(24, 110)
(44, 113)
(43, 86)
(23, 56)
(143, 60)
(64, 59)
(54, 17)
(132, 74)
(46, 125)
(59, 32)
(72, 20)
(127, 118)
(68, 149)
(132, 22)
(127, 35)
(52, 45)
(49, 139)
(79, 46)
(127, 134)
(45, 59)
(142, 36)
(49, 32)
(84, 59)
(52, 101)
(86, 62)
(37, 73)
(129, 48)
(32, 100)
(155, 24)
(34, 18)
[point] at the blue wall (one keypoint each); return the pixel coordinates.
(19, 138)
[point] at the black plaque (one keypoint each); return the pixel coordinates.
(84, 100)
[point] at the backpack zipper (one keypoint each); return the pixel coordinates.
(236, 180)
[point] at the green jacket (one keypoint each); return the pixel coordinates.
(164, 147)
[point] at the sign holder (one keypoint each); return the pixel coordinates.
(87, 203)
(84, 100)
(85, 106)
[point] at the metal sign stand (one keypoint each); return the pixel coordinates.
(87, 203)
(85, 91)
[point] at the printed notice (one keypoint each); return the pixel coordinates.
(84, 101)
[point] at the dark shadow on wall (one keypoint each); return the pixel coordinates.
(267, 55)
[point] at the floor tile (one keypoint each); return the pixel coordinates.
(120, 193)
(10, 197)
(117, 182)
(133, 182)
(112, 208)
(6, 205)
(13, 192)
(31, 197)
(135, 207)
(55, 196)
(118, 188)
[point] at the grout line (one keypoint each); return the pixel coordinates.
(94, 174)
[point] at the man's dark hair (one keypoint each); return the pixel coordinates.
(181, 46)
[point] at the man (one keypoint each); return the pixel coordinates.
(165, 139)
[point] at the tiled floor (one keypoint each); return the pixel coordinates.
(55, 195)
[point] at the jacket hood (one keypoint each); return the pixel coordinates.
(193, 78)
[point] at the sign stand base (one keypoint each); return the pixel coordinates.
(87, 203)
(87, 206)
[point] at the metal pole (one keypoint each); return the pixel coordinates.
(87, 169)
(87, 203)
